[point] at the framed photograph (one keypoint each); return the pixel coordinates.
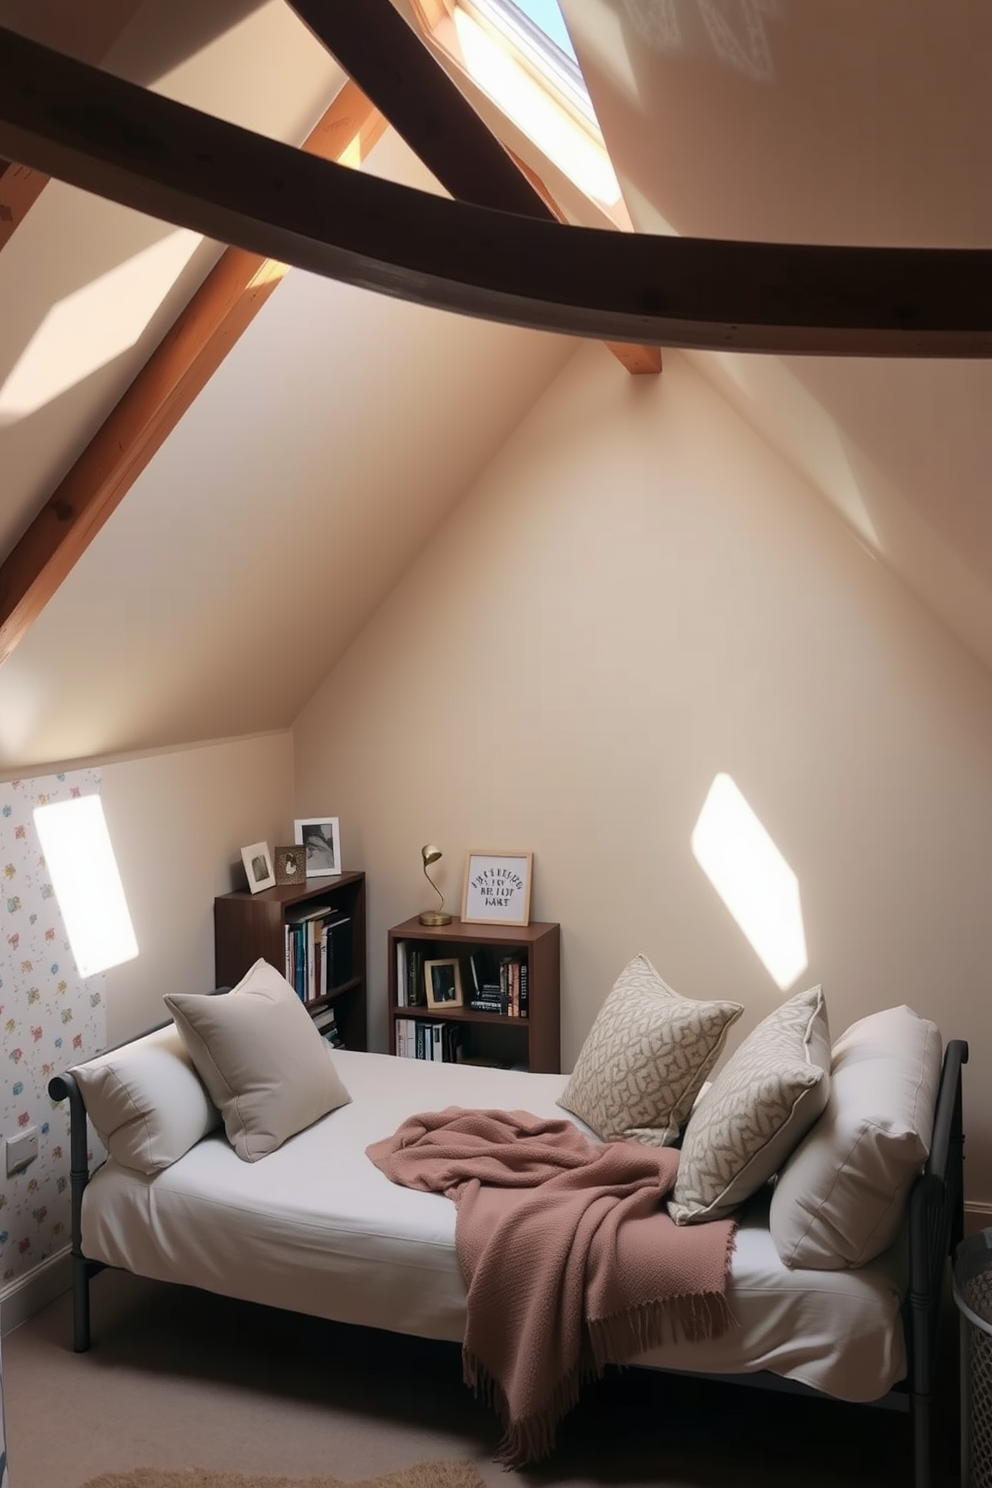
(258, 866)
(497, 888)
(290, 864)
(443, 983)
(320, 837)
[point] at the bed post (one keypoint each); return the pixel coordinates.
(64, 1087)
(936, 1225)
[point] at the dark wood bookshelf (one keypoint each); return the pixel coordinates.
(248, 925)
(534, 1041)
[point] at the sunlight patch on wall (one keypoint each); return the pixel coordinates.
(93, 325)
(80, 858)
(528, 104)
(753, 879)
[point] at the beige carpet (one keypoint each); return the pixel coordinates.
(423, 1475)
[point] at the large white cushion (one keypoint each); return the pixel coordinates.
(645, 1058)
(839, 1199)
(760, 1104)
(146, 1102)
(265, 1065)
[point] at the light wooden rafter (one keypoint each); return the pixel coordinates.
(187, 357)
(92, 31)
(386, 57)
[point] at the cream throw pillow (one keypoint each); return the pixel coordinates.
(840, 1198)
(645, 1058)
(146, 1101)
(266, 1067)
(760, 1105)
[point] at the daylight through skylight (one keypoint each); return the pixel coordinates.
(538, 85)
(536, 34)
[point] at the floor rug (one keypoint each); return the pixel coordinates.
(422, 1475)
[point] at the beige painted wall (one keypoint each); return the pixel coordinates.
(178, 822)
(637, 595)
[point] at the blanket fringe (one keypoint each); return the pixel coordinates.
(533, 1437)
(689, 1319)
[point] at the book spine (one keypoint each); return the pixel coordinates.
(524, 989)
(402, 989)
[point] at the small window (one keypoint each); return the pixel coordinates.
(87, 884)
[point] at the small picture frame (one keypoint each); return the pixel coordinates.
(320, 837)
(258, 866)
(443, 983)
(497, 888)
(290, 864)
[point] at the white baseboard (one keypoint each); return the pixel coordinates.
(21, 1298)
(977, 1217)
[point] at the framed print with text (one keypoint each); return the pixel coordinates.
(497, 888)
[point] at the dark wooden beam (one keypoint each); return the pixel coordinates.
(180, 366)
(109, 137)
(88, 31)
(391, 65)
(394, 68)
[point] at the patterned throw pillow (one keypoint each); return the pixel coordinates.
(761, 1104)
(645, 1058)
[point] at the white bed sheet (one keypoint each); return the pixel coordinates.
(316, 1228)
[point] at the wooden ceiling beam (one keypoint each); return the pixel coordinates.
(391, 64)
(92, 31)
(110, 137)
(203, 334)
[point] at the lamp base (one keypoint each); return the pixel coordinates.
(434, 917)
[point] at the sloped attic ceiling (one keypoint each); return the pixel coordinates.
(790, 120)
(827, 121)
(294, 492)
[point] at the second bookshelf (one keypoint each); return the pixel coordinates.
(486, 994)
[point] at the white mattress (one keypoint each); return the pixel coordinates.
(316, 1228)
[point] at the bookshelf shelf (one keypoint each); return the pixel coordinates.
(248, 925)
(534, 1041)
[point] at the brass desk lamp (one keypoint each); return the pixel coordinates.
(433, 916)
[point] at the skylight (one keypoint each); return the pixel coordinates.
(547, 16)
(536, 34)
(520, 55)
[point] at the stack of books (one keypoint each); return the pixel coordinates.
(418, 1039)
(326, 1025)
(500, 984)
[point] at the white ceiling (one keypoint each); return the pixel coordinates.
(343, 426)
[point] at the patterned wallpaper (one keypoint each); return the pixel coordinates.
(49, 1018)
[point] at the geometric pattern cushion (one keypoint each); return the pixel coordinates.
(840, 1198)
(764, 1100)
(645, 1058)
(263, 1061)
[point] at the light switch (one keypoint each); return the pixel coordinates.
(21, 1150)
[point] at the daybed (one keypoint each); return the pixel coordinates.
(314, 1227)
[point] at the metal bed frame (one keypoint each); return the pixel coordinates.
(936, 1227)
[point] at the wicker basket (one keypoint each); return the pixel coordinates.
(972, 1287)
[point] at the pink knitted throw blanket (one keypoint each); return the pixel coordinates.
(570, 1260)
